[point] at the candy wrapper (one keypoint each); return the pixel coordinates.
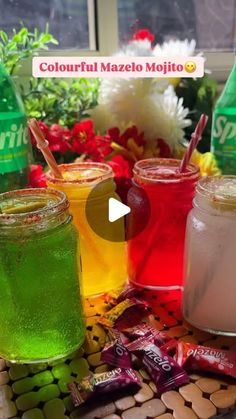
(115, 352)
(106, 382)
(165, 372)
(196, 357)
(129, 292)
(126, 314)
(116, 297)
(161, 339)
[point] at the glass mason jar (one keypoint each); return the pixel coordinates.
(103, 261)
(210, 263)
(41, 316)
(155, 256)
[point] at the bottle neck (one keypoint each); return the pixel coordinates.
(27, 212)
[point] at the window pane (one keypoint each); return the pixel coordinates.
(211, 22)
(68, 19)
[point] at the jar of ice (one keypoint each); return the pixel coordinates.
(210, 257)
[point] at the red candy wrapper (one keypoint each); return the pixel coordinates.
(115, 352)
(163, 369)
(196, 357)
(102, 383)
(126, 314)
(161, 339)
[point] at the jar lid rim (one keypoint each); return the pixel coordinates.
(105, 170)
(219, 189)
(147, 170)
(58, 203)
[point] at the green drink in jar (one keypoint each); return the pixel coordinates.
(41, 316)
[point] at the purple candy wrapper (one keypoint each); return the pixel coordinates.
(115, 352)
(161, 339)
(129, 292)
(102, 383)
(165, 372)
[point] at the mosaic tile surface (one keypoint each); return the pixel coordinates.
(40, 391)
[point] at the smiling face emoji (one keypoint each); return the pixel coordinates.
(190, 66)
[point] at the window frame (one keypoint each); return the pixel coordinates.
(104, 41)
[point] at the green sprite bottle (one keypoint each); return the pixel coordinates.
(14, 142)
(223, 139)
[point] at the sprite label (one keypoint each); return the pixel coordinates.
(14, 147)
(223, 142)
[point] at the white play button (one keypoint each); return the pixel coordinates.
(117, 210)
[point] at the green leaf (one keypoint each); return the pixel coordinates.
(4, 37)
(16, 38)
(23, 32)
(21, 45)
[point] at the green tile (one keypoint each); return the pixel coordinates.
(54, 409)
(61, 371)
(27, 401)
(48, 392)
(18, 371)
(33, 414)
(35, 368)
(62, 384)
(68, 403)
(43, 378)
(23, 386)
(80, 367)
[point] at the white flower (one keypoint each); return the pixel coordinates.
(138, 101)
(149, 103)
(142, 48)
(175, 47)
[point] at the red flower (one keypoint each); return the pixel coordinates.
(98, 147)
(57, 136)
(131, 132)
(37, 178)
(121, 167)
(44, 128)
(82, 133)
(143, 34)
(85, 127)
(123, 174)
(59, 139)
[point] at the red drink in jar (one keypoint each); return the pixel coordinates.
(156, 254)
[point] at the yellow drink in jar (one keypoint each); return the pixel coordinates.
(103, 261)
